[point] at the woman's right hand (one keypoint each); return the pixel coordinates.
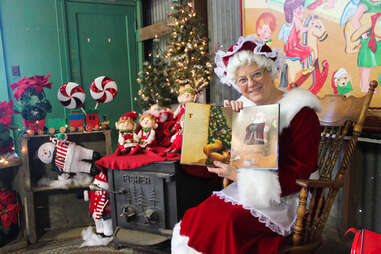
(224, 170)
(235, 105)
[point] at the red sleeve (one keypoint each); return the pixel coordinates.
(298, 150)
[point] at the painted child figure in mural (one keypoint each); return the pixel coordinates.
(293, 48)
(99, 205)
(146, 136)
(127, 137)
(369, 34)
(341, 82)
(265, 27)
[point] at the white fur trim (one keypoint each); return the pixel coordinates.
(179, 243)
(101, 184)
(258, 188)
(293, 101)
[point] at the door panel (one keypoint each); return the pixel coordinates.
(102, 42)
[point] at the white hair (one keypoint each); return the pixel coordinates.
(247, 57)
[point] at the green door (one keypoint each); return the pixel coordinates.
(102, 42)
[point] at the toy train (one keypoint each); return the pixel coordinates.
(79, 122)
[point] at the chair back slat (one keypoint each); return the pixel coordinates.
(341, 119)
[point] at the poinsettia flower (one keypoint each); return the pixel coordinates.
(8, 215)
(37, 83)
(13, 210)
(6, 111)
(7, 197)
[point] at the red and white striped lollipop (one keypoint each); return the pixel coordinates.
(71, 95)
(103, 89)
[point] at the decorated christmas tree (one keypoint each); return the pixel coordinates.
(218, 128)
(187, 53)
(155, 87)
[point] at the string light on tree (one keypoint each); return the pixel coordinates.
(187, 51)
(153, 80)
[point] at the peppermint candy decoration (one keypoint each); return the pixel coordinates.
(71, 95)
(103, 89)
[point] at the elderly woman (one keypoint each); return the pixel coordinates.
(257, 211)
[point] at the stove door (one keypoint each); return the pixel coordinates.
(139, 199)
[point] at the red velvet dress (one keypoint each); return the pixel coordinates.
(219, 227)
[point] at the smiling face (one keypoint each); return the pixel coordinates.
(148, 122)
(45, 152)
(264, 32)
(343, 80)
(298, 12)
(256, 84)
(185, 97)
(127, 124)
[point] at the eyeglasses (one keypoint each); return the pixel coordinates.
(255, 76)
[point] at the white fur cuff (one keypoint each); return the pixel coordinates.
(258, 188)
(179, 243)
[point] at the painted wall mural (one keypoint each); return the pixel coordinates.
(330, 46)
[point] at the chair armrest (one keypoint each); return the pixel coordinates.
(318, 183)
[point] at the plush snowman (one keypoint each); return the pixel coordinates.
(68, 157)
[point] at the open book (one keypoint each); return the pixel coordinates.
(245, 139)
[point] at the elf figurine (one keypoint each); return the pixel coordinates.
(99, 206)
(68, 157)
(146, 136)
(186, 94)
(127, 137)
(165, 121)
(177, 138)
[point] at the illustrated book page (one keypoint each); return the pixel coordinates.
(245, 139)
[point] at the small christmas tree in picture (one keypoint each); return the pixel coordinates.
(187, 51)
(218, 128)
(155, 87)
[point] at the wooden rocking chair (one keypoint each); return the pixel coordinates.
(341, 119)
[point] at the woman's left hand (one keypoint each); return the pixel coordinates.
(224, 170)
